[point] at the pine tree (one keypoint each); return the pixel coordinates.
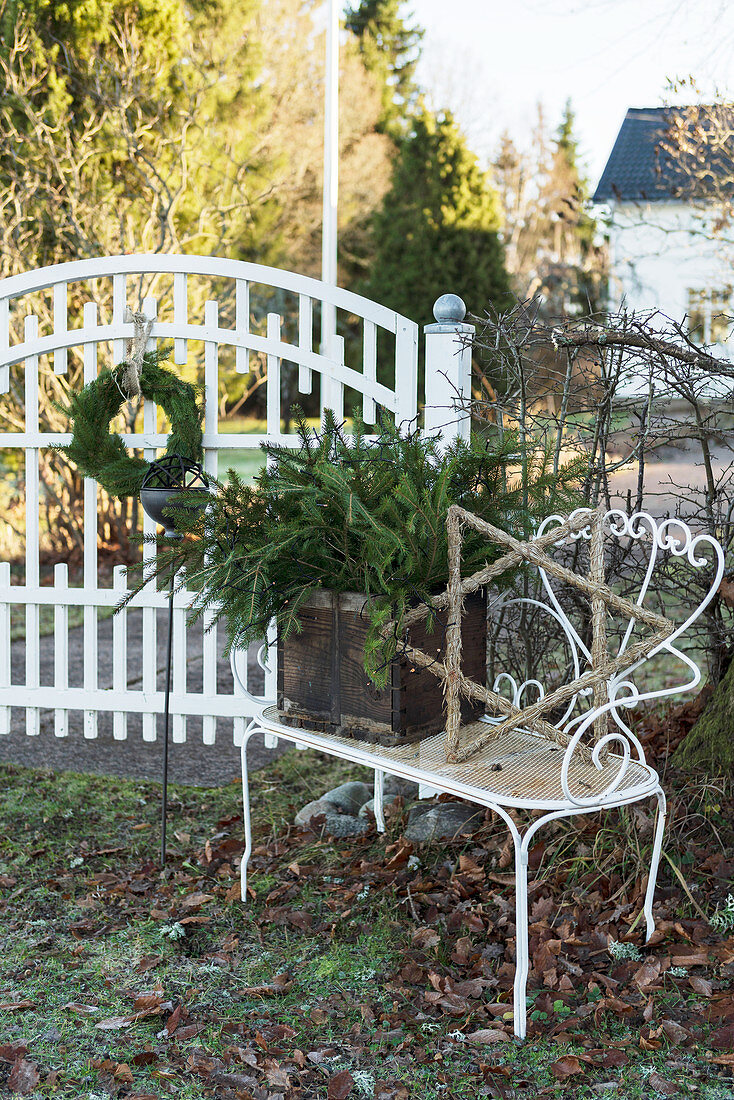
(390, 49)
(126, 127)
(566, 158)
(574, 228)
(437, 230)
(132, 126)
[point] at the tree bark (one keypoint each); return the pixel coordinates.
(710, 744)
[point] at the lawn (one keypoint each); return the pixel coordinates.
(248, 462)
(362, 968)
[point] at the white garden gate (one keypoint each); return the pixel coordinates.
(36, 337)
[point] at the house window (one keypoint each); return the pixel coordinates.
(710, 315)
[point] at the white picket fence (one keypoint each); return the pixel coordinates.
(161, 285)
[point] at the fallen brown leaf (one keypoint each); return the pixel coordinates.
(276, 1075)
(412, 973)
(81, 1010)
(463, 951)
(701, 985)
(281, 983)
(470, 869)
(388, 1090)
(451, 1003)
(234, 892)
(340, 1086)
(424, 938)
(194, 901)
(144, 1002)
(148, 962)
(11, 1052)
(566, 1067)
(723, 1038)
(173, 1021)
(114, 1023)
(541, 909)
(614, 1058)
(648, 973)
(724, 951)
(486, 1035)
(189, 1031)
(683, 955)
(23, 1077)
(667, 1088)
(674, 1031)
(144, 1058)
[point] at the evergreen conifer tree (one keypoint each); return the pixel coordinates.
(574, 228)
(133, 126)
(566, 157)
(437, 229)
(390, 49)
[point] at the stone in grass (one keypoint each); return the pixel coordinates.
(336, 823)
(340, 825)
(395, 785)
(349, 796)
(314, 809)
(369, 807)
(440, 820)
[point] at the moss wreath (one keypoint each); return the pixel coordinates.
(99, 454)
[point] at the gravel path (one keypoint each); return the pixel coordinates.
(190, 763)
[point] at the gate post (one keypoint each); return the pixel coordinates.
(448, 371)
(447, 387)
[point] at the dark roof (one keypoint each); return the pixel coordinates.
(638, 169)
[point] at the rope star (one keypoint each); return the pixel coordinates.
(602, 665)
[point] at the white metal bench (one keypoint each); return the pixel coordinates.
(524, 769)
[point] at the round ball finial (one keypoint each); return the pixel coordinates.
(449, 309)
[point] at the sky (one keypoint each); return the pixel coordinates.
(492, 61)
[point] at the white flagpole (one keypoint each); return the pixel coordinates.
(331, 179)
(331, 146)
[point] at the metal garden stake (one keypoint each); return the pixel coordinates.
(164, 479)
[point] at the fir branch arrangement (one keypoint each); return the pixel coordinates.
(352, 514)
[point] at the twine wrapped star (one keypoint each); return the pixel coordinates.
(602, 666)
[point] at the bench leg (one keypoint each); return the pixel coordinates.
(245, 812)
(522, 954)
(654, 864)
(379, 800)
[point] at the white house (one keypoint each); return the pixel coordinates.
(663, 254)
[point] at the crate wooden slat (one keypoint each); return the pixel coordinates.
(321, 676)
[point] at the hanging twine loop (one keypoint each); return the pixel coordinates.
(135, 351)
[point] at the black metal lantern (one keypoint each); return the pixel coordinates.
(166, 478)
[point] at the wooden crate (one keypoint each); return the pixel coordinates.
(322, 683)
